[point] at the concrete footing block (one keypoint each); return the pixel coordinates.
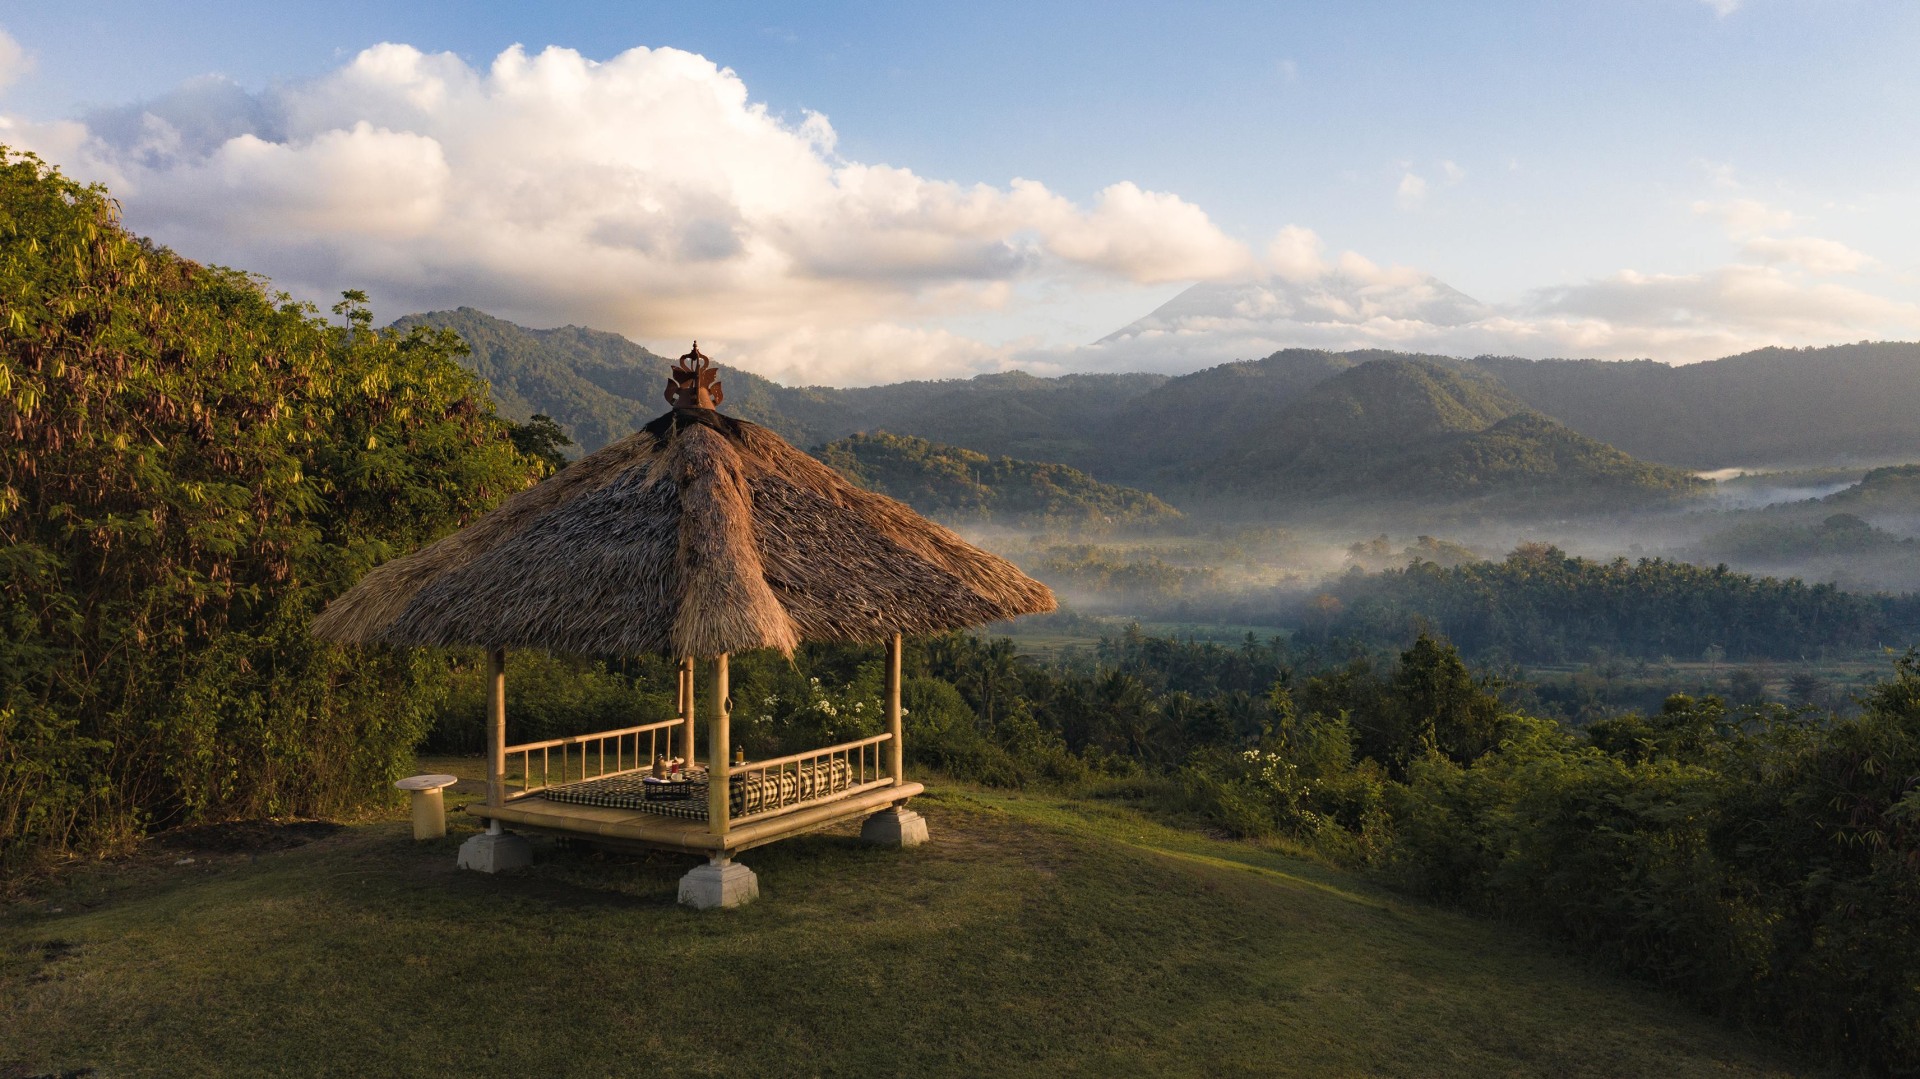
(496, 852)
(895, 826)
(719, 883)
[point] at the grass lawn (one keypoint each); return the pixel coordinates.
(1034, 936)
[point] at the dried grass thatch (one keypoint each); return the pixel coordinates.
(697, 534)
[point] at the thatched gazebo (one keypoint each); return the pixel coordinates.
(697, 536)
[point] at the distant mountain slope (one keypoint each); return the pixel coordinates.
(1068, 419)
(600, 386)
(1206, 413)
(954, 484)
(1772, 407)
(1345, 425)
(1544, 460)
(1893, 491)
(1862, 537)
(1427, 433)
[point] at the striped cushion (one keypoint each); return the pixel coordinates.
(751, 792)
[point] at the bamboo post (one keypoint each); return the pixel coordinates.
(496, 732)
(895, 756)
(686, 710)
(717, 750)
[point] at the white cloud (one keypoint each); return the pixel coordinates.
(649, 195)
(851, 355)
(1809, 252)
(1760, 302)
(1411, 193)
(1723, 8)
(1352, 303)
(646, 194)
(15, 62)
(1745, 217)
(1289, 71)
(1749, 220)
(1295, 254)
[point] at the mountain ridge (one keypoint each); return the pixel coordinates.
(1429, 433)
(963, 486)
(1770, 406)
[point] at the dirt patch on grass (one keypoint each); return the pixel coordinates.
(247, 836)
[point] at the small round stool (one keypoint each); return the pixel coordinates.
(429, 805)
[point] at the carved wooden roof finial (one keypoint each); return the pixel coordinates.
(694, 382)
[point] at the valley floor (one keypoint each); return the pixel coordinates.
(1034, 936)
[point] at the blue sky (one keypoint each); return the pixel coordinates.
(1614, 177)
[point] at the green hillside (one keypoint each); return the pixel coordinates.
(1861, 537)
(1069, 418)
(955, 484)
(1207, 413)
(600, 386)
(1035, 936)
(1772, 406)
(1531, 452)
(1415, 430)
(1894, 490)
(1299, 405)
(1380, 404)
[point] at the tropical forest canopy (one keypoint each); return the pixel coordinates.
(1541, 606)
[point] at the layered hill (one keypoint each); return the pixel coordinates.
(1771, 407)
(959, 485)
(1069, 418)
(600, 386)
(1206, 414)
(1422, 432)
(1862, 538)
(1884, 492)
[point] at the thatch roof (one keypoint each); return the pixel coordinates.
(697, 534)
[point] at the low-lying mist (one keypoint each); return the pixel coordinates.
(1241, 572)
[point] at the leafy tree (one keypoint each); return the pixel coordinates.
(1443, 707)
(542, 440)
(192, 466)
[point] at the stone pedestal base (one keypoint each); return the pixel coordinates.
(720, 883)
(895, 826)
(491, 852)
(429, 815)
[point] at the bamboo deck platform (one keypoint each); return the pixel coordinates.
(639, 828)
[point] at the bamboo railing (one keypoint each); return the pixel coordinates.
(866, 768)
(586, 756)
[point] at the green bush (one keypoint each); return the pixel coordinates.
(191, 467)
(943, 733)
(548, 697)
